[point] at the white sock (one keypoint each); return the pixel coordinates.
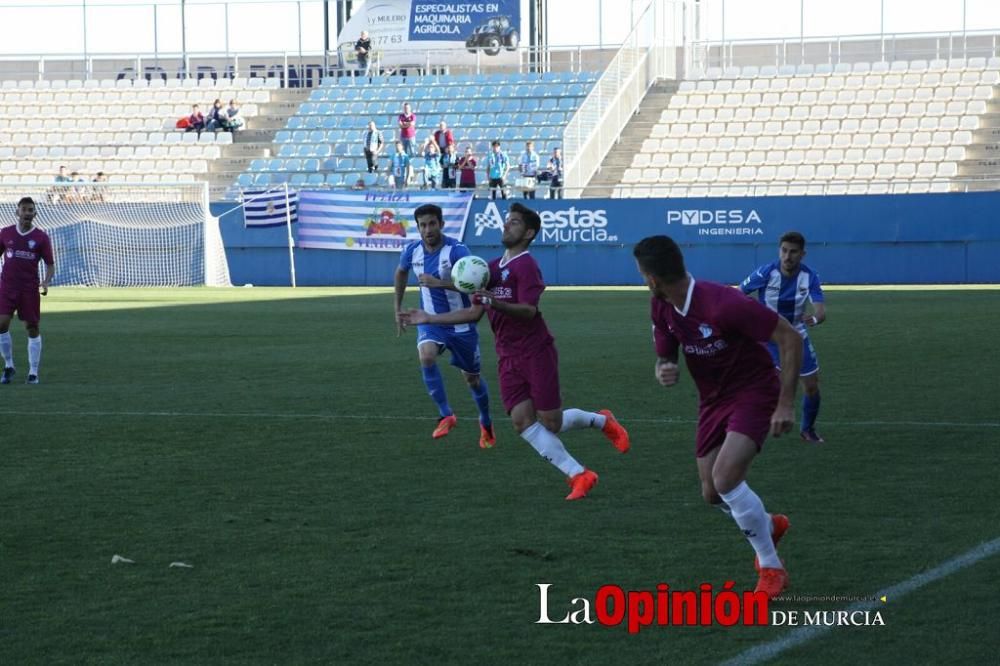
(574, 419)
(551, 448)
(34, 354)
(749, 514)
(7, 350)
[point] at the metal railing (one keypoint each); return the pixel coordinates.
(837, 49)
(598, 123)
(807, 188)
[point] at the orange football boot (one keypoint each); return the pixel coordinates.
(615, 432)
(486, 437)
(444, 426)
(581, 484)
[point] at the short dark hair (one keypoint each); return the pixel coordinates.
(661, 257)
(430, 209)
(532, 220)
(495, 142)
(795, 238)
(25, 201)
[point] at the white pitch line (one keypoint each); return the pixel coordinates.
(390, 417)
(797, 637)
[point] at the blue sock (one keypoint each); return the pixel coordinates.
(435, 387)
(482, 398)
(810, 410)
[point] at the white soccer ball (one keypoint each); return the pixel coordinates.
(470, 274)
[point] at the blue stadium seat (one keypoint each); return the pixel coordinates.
(310, 165)
(548, 104)
(521, 119)
(275, 165)
(293, 164)
(557, 118)
(282, 136)
(316, 179)
(300, 136)
(317, 95)
(462, 106)
(504, 91)
(297, 180)
(494, 105)
(261, 178)
(321, 149)
(244, 180)
(288, 150)
(317, 136)
(335, 179)
(295, 122)
(329, 122)
(522, 91)
(278, 178)
(511, 105)
(478, 106)
(258, 165)
(330, 164)
(510, 133)
(504, 119)
(371, 179)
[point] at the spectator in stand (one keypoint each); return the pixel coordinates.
(449, 167)
(217, 118)
(556, 171)
(497, 166)
(196, 121)
(363, 48)
(443, 137)
(97, 193)
(408, 129)
(432, 164)
(62, 177)
(467, 170)
(399, 168)
(529, 170)
(233, 116)
(373, 143)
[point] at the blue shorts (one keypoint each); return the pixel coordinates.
(810, 364)
(464, 347)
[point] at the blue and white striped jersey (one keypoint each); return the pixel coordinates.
(438, 301)
(785, 295)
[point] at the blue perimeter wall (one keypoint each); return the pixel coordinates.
(870, 239)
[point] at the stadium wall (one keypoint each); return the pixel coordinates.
(868, 239)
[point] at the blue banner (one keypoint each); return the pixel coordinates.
(749, 221)
(490, 26)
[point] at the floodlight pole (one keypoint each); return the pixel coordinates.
(291, 240)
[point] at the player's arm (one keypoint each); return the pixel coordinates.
(753, 282)
(789, 344)
(431, 282)
(465, 316)
(401, 277)
(818, 316)
(516, 310)
(819, 307)
(666, 371)
(50, 272)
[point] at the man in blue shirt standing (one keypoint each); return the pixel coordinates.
(787, 286)
(497, 166)
(399, 167)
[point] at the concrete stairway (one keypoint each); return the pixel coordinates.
(636, 131)
(982, 156)
(256, 140)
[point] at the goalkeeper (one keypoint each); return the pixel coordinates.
(24, 245)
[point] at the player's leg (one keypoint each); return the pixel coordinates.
(603, 420)
(809, 377)
(29, 310)
(428, 350)
(464, 348)
(34, 351)
(6, 346)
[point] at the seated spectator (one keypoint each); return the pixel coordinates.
(196, 121)
(217, 118)
(97, 193)
(467, 170)
(373, 143)
(529, 170)
(556, 175)
(449, 167)
(497, 166)
(62, 177)
(399, 168)
(443, 137)
(408, 129)
(233, 114)
(432, 165)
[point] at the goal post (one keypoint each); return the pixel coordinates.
(110, 235)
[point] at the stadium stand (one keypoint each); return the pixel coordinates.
(321, 143)
(858, 128)
(123, 128)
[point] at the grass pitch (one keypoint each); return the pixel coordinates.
(279, 442)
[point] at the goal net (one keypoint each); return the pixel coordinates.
(126, 235)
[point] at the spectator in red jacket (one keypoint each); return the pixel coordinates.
(443, 137)
(196, 121)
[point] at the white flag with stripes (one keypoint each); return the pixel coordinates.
(380, 221)
(266, 208)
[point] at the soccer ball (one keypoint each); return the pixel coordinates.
(470, 274)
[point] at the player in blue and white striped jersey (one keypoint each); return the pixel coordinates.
(788, 286)
(431, 258)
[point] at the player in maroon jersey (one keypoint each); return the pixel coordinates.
(527, 361)
(24, 245)
(742, 398)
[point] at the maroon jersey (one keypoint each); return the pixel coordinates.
(518, 280)
(21, 254)
(720, 332)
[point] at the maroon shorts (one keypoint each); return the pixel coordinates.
(532, 377)
(27, 303)
(748, 413)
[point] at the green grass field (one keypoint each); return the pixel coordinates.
(279, 442)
